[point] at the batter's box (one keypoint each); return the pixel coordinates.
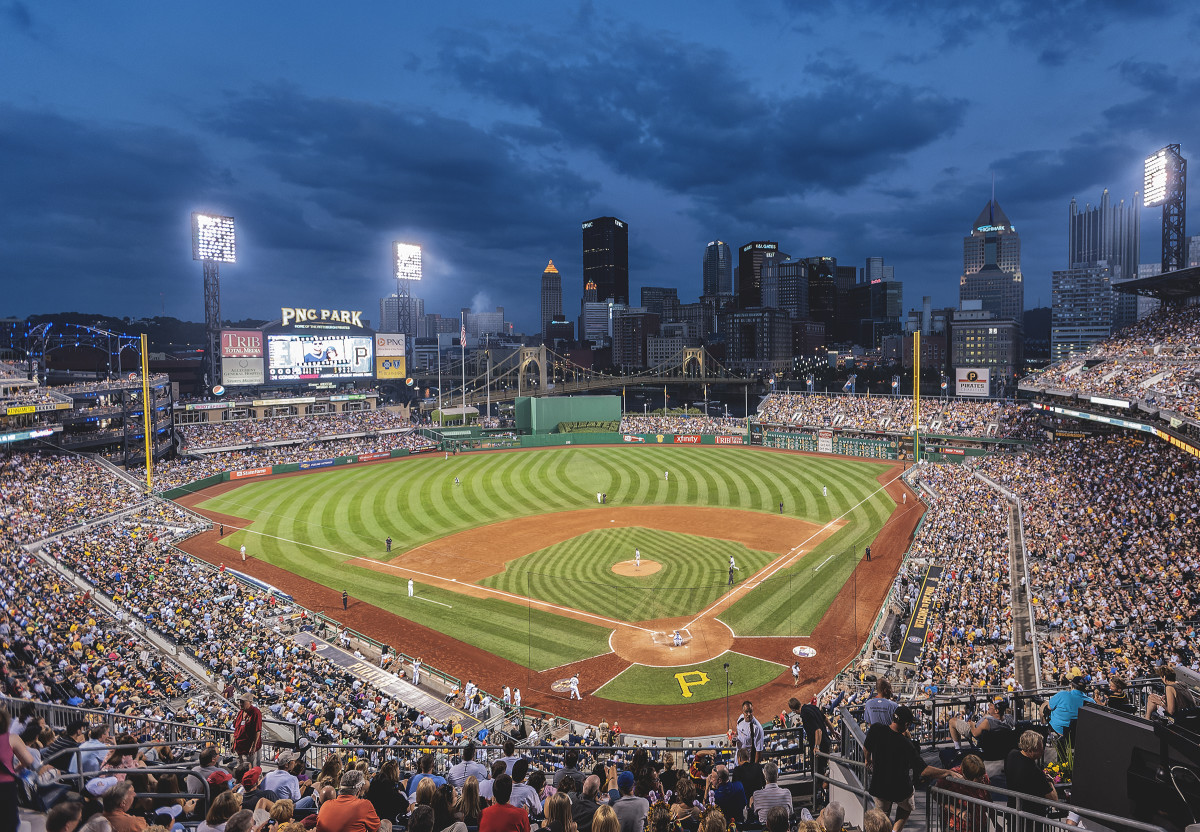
(672, 638)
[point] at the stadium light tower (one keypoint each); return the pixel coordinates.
(407, 259)
(1166, 185)
(213, 242)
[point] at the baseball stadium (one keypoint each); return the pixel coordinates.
(308, 576)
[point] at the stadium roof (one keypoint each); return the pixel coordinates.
(1172, 287)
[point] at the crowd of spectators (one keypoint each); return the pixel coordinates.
(241, 432)
(1113, 543)
(682, 423)
(41, 494)
(965, 532)
(176, 472)
(1156, 360)
(959, 417)
(13, 396)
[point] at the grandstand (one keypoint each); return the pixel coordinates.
(1038, 560)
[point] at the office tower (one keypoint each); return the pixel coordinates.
(718, 270)
(751, 258)
(662, 301)
(1082, 308)
(631, 331)
(992, 265)
(551, 298)
(483, 323)
(875, 270)
(1108, 235)
(785, 286)
(606, 257)
(822, 292)
(873, 310)
(389, 315)
(757, 340)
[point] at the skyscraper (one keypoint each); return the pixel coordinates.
(551, 297)
(1081, 308)
(749, 273)
(606, 257)
(992, 265)
(718, 270)
(1107, 235)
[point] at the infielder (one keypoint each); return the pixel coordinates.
(575, 688)
(410, 588)
(243, 554)
(732, 567)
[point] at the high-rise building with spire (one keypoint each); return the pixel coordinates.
(551, 297)
(718, 271)
(992, 265)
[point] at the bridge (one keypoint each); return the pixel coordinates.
(499, 376)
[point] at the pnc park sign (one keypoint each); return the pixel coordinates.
(297, 315)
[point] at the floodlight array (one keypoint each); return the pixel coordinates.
(213, 238)
(408, 261)
(1158, 178)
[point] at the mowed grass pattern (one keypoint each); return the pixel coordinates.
(705, 681)
(577, 573)
(311, 524)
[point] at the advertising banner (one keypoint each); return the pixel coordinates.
(376, 455)
(22, 435)
(242, 372)
(722, 439)
(973, 381)
(918, 625)
(207, 406)
(686, 439)
(249, 472)
(825, 442)
(241, 343)
(316, 463)
(631, 438)
(390, 368)
(45, 407)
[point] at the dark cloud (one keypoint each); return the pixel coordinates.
(1163, 111)
(18, 15)
(92, 207)
(1053, 30)
(681, 116)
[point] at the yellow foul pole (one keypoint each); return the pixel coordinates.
(916, 395)
(146, 404)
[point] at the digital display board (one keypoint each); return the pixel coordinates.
(319, 358)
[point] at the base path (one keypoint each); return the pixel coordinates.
(837, 637)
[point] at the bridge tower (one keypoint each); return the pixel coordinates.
(532, 355)
(693, 355)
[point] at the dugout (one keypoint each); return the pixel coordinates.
(544, 415)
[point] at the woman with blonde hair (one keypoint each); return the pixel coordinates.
(558, 814)
(425, 791)
(470, 804)
(605, 820)
(283, 811)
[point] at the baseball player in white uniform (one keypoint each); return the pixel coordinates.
(575, 688)
(416, 671)
(637, 558)
(677, 639)
(517, 698)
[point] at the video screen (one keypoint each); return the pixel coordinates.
(317, 358)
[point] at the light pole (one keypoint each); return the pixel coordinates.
(728, 684)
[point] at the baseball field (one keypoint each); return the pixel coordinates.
(511, 557)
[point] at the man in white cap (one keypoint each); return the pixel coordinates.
(247, 730)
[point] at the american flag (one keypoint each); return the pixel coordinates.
(462, 334)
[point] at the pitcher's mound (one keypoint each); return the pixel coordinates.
(627, 567)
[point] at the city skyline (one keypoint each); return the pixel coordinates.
(488, 139)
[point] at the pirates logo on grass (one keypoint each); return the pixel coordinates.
(561, 686)
(689, 679)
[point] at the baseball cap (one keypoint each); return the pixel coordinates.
(100, 785)
(250, 778)
(219, 777)
(903, 715)
(625, 781)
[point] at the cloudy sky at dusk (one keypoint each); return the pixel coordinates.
(488, 132)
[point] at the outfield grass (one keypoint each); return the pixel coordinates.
(642, 685)
(311, 524)
(577, 573)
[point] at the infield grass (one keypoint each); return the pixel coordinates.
(577, 573)
(640, 684)
(312, 524)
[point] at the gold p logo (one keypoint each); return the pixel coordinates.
(698, 677)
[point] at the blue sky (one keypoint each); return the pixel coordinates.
(488, 132)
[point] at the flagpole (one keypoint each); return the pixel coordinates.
(462, 343)
(439, 346)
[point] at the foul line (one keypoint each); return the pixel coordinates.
(485, 589)
(758, 578)
(431, 601)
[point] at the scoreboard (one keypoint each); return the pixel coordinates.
(335, 357)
